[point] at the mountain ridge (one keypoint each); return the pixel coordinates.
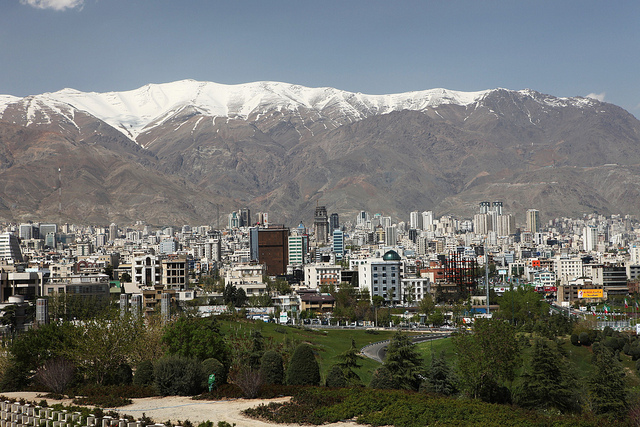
(284, 148)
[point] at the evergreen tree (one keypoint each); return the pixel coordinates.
(440, 378)
(349, 360)
(548, 381)
(335, 377)
(382, 379)
(607, 388)
(403, 362)
(271, 367)
(303, 368)
(257, 350)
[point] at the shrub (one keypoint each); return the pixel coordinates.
(272, 367)
(575, 340)
(335, 377)
(177, 375)
(303, 367)
(122, 375)
(144, 373)
(584, 338)
(383, 379)
(214, 366)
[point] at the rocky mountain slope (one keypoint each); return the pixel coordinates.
(173, 153)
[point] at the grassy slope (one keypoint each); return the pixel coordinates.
(328, 343)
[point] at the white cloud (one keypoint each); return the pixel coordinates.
(54, 4)
(597, 96)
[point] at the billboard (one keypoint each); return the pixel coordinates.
(590, 293)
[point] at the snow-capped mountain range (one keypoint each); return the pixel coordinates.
(174, 153)
(140, 110)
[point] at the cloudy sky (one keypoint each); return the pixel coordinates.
(563, 48)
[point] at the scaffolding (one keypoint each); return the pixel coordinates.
(461, 271)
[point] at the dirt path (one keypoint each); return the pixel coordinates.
(174, 408)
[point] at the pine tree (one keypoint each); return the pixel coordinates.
(440, 378)
(403, 362)
(303, 368)
(608, 391)
(349, 360)
(548, 382)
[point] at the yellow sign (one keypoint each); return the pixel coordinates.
(590, 293)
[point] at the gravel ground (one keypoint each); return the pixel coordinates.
(176, 408)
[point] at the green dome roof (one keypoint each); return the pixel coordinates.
(391, 256)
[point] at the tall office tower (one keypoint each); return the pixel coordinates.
(245, 217)
(321, 224)
(415, 220)
(298, 247)
(485, 207)
(506, 225)
(533, 221)
(10, 248)
(113, 232)
(263, 219)
(26, 231)
(362, 218)
(589, 238)
(234, 220)
(338, 243)
(101, 240)
(497, 208)
(48, 229)
(391, 235)
(482, 223)
(334, 222)
(427, 220)
(273, 249)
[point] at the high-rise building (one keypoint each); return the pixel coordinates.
(427, 220)
(234, 220)
(505, 225)
(334, 222)
(533, 221)
(321, 224)
(245, 217)
(338, 243)
(497, 208)
(298, 247)
(415, 220)
(589, 238)
(113, 232)
(10, 248)
(362, 218)
(273, 249)
(390, 235)
(485, 207)
(27, 232)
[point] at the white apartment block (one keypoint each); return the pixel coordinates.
(418, 287)
(567, 269)
(316, 275)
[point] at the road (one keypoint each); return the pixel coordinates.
(378, 350)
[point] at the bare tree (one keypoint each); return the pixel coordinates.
(249, 380)
(55, 374)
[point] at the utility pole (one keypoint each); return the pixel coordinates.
(486, 274)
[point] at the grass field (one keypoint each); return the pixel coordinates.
(327, 343)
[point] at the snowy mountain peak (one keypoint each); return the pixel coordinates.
(141, 109)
